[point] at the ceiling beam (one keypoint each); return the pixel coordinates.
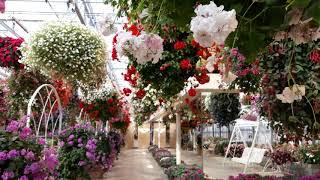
(78, 12)
(12, 31)
(20, 24)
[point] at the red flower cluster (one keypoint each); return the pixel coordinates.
(131, 76)
(179, 45)
(140, 93)
(185, 64)
(203, 77)
(192, 92)
(127, 91)
(64, 91)
(103, 109)
(114, 51)
(9, 53)
(315, 56)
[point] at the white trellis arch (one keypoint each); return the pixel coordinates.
(47, 98)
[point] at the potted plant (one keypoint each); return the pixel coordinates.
(23, 157)
(83, 154)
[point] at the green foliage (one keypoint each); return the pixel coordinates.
(283, 64)
(224, 108)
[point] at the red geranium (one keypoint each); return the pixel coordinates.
(134, 30)
(315, 56)
(10, 53)
(185, 64)
(192, 92)
(110, 100)
(195, 44)
(140, 93)
(127, 91)
(179, 45)
(114, 51)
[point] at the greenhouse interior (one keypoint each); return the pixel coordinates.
(160, 89)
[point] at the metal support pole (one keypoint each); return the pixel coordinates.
(159, 132)
(178, 140)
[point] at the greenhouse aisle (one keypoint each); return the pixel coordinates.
(135, 164)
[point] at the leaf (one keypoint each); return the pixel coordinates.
(313, 11)
(300, 3)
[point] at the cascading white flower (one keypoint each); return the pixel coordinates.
(144, 48)
(212, 24)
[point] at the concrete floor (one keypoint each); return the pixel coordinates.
(213, 165)
(135, 164)
(138, 164)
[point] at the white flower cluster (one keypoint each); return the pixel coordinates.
(149, 101)
(212, 24)
(144, 48)
(290, 94)
(101, 94)
(68, 50)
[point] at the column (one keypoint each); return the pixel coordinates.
(178, 139)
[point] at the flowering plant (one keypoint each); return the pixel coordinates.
(10, 53)
(212, 24)
(3, 103)
(22, 85)
(122, 122)
(69, 51)
(22, 157)
(290, 89)
(178, 63)
(282, 157)
(311, 154)
(185, 172)
(102, 104)
(80, 150)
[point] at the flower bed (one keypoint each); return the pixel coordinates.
(180, 172)
(82, 152)
(259, 177)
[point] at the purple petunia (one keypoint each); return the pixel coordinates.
(70, 137)
(12, 154)
(7, 175)
(13, 127)
(41, 141)
(25, 132)
(50, 159)
(35, 168)
(23, 152)
(70, 143)
(23, 178)
(79, 140)
(30, 156)
(81, 163)
(3, 156)
(90, 156)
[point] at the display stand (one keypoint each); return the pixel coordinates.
(45, 111)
